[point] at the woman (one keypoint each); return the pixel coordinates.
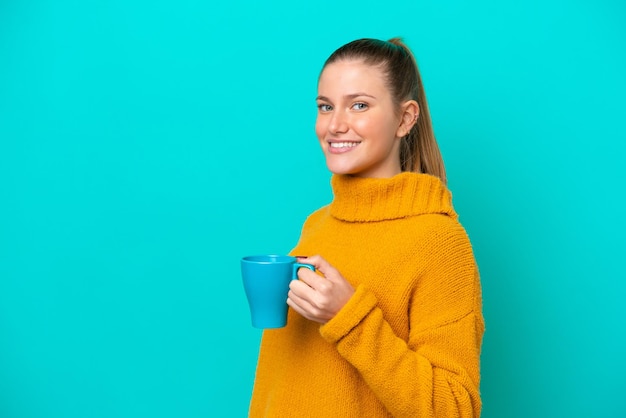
(391, 322)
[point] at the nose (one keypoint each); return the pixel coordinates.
(338, 122)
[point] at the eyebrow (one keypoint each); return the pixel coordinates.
(347, 96)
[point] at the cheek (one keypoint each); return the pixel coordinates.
(320, 130)
(378, 129)
(367, 128)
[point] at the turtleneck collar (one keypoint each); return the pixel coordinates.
(406, 194)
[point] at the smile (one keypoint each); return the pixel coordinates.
(342, 146)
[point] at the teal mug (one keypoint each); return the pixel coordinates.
(266, 281)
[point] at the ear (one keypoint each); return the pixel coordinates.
(409, 113)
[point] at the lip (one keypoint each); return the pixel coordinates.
(342, 149)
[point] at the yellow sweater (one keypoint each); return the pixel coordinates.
(407, 344)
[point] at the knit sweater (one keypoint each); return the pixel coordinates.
(407, 343)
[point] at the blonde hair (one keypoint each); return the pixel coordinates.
(419, 151)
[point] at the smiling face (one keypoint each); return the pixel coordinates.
(358, 125)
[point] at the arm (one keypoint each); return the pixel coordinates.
(434, 372)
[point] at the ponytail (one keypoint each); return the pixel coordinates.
(419, 151)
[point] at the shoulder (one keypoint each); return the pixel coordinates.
(445, 254)
(446, 233)
(449, 281)
(320, 215)
(437, 234)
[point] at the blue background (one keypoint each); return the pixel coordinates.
(146, 145)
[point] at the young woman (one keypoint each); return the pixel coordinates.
(391, 322)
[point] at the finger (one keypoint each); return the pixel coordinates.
(306, 296)
(298, 298)
(293, 304)
(300, 288)
(322, 265)
(301, 305)
(311, 278)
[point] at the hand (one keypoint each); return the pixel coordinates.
(319, 298)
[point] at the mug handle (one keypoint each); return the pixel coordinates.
(297, 266)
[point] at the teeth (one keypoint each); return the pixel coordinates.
(343, 144)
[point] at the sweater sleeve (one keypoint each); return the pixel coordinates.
(436, 372)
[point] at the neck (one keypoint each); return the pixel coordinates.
(407, 194)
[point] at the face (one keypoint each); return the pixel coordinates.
(358, 126)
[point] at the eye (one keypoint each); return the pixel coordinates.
(324, 107)
(360, 106)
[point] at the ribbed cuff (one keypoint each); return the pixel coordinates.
(353, 312)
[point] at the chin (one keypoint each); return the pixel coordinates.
(338, 169)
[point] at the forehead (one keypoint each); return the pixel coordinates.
(345, 75)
